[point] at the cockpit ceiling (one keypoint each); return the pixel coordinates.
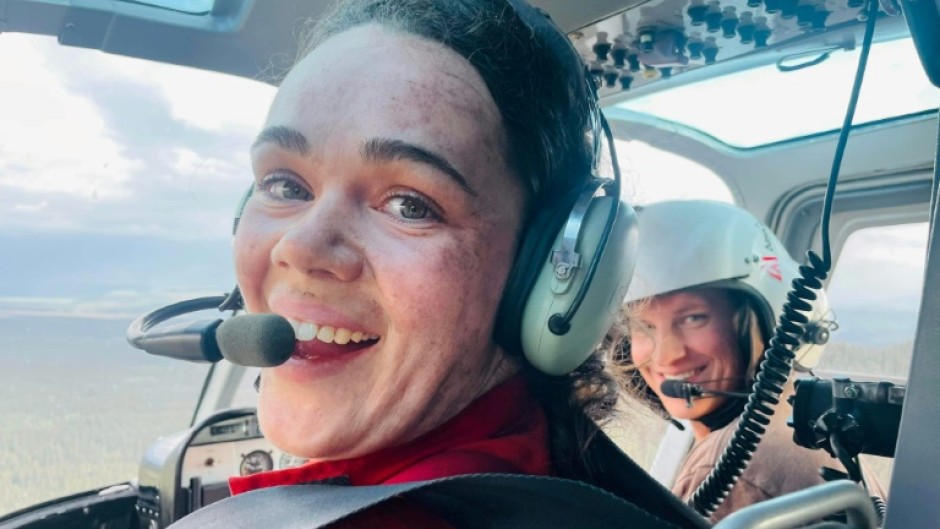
(662, 39)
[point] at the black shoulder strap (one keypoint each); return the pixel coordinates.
(497, 501)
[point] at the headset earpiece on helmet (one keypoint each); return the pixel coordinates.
(577, 254)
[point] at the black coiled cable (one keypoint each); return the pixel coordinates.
(881, 509)
(778, 359)
(771, 378)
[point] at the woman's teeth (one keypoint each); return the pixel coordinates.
(306, 331)
(680, 376)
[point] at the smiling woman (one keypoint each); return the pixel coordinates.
(385, 223)
(711, 281)
(368, 229)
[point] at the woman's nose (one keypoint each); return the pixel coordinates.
(322, 242)
(669, 348)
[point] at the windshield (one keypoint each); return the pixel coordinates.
(118, 182)
(764, 105)
(192, 7)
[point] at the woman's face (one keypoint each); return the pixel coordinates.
(383, 225)
(688, 336)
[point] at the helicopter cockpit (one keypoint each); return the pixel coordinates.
(741, 101)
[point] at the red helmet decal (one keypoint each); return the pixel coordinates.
(771, 265)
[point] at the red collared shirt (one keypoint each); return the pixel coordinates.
(504, 431)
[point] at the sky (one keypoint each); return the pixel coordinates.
(895, 86)
(119, 178)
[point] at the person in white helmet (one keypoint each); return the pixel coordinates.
(710, 283)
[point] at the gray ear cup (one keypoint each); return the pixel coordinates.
(553, 293)
(233, 301)
(241, 208)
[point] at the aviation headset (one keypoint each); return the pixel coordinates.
(576, 255)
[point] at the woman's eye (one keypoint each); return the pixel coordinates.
(282, 187)
(410, 208)
(695, 320)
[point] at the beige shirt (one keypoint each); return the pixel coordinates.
(779, 466)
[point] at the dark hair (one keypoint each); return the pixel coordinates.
(751, 343)
(547, 126)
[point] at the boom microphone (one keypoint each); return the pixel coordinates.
(256, 340)
(253, 340)
(678, 389)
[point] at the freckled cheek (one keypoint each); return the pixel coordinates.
(442, 290)
(419, 290)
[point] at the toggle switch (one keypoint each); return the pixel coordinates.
(820, 14)
(729, 22)
(610, 76)
(761, 32)
(619, 51)
(746, 27)
(602, 47)
(625, 80)
(710, 50)
(633, 59)
(713, 17)
(772, 6)
(695, 45)
(697, 12)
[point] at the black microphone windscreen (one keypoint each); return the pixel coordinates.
(671, 388)
(256, 340)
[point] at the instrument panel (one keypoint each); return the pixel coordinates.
(232, 447)
(189, 470)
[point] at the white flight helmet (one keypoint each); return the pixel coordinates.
(699, 243)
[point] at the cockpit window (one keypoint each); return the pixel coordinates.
(654, 175)
(118, 182)
(191, 7)
(764, 105)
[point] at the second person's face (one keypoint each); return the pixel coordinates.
(688, 336)
(383, 225)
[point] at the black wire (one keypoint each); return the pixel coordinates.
(881, 509)
(778, 359)
(872, 13)
(848, 461)
(141, 325)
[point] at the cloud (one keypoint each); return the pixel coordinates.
(32, 207)
(96, 143)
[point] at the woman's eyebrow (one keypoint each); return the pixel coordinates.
(284, 137)
(691, 308)
(386, 150)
